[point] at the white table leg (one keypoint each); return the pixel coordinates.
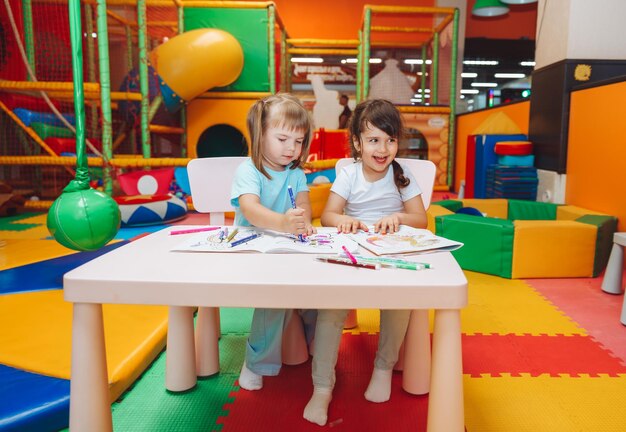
(90, 408)
(445, 403)
(612, 282)
(207, 339)
(180, 364)
(416, 374)
(623, 316)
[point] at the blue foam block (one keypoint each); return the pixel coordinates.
(48, 274)
(32, 402)
(511, 160)
(485, 156)
(28, 117)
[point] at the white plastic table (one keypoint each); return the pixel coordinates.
(147, 272)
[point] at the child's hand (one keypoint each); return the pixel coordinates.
(294, 222)
(388, 224)
(310, 230)
(349, 224)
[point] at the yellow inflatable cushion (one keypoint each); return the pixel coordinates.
(493, 207)
(37, 330)
(570, 212)
(545, 249)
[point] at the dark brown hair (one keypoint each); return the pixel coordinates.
(279, 110)
(385, 116)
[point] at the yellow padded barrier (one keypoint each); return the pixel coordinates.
(37, 330)
(570, 212)
(318, 194)
(493, 207)
(434, 211)
(544, 249)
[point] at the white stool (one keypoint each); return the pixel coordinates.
(612, 282)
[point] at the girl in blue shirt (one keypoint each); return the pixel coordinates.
(280, 134)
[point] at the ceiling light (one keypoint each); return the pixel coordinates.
(489, 8)
(481, 62)
(469, 91)
(484, 84)
(518, 2)
(307, 60)
(469, 75)
(416, 61)
(376, 60)
(527, 63)
(509, 75)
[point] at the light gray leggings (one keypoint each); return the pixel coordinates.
(328, 330)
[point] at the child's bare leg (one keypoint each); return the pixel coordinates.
(393, 325)
(327, 337)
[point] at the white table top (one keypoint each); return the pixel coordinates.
(145, 271)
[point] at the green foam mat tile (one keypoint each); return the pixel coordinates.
(236, 320)
(148, 406)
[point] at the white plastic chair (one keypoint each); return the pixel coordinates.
(416, 346)
(210, 180)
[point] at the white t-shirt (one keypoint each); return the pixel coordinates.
(369, 202)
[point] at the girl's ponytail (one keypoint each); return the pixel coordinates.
(255, 129)
(399, 178)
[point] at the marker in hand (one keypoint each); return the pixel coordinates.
(293, 205)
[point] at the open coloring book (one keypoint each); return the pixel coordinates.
(406, 241)
(326, 241)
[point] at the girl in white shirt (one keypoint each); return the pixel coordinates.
(377, 191)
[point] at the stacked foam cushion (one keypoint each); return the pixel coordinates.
(526, 239)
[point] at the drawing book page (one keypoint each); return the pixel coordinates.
(325, 241)
(406, 241)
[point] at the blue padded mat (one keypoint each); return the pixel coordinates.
(32, 402)
(48, 274)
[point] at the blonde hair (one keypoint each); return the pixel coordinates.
(279, 110)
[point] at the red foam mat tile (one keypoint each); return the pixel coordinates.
(536, 355)
(279, 405)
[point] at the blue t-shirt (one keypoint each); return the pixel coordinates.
(272, 193)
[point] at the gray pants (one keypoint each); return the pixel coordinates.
(328, 330)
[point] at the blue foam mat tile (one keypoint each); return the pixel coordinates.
(32, 402)
(128, 233)
(48, 274)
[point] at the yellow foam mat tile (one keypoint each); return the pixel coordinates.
(368, 322)
(36, 219)
(38, 232)
(17, 253)
(503, 306)
(23, 251)
(37, 330)
(543, 403)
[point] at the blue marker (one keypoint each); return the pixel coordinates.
(244, 240)
(293, 205)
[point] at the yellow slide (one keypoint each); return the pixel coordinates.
(193, 62)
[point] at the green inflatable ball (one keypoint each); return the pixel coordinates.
(84, 220)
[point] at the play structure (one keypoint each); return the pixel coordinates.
(162, 82)
(142, 112)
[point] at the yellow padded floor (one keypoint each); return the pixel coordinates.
(504, 306)
(561, 404)
(497, 305)
(40, 333)
(19, 252)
